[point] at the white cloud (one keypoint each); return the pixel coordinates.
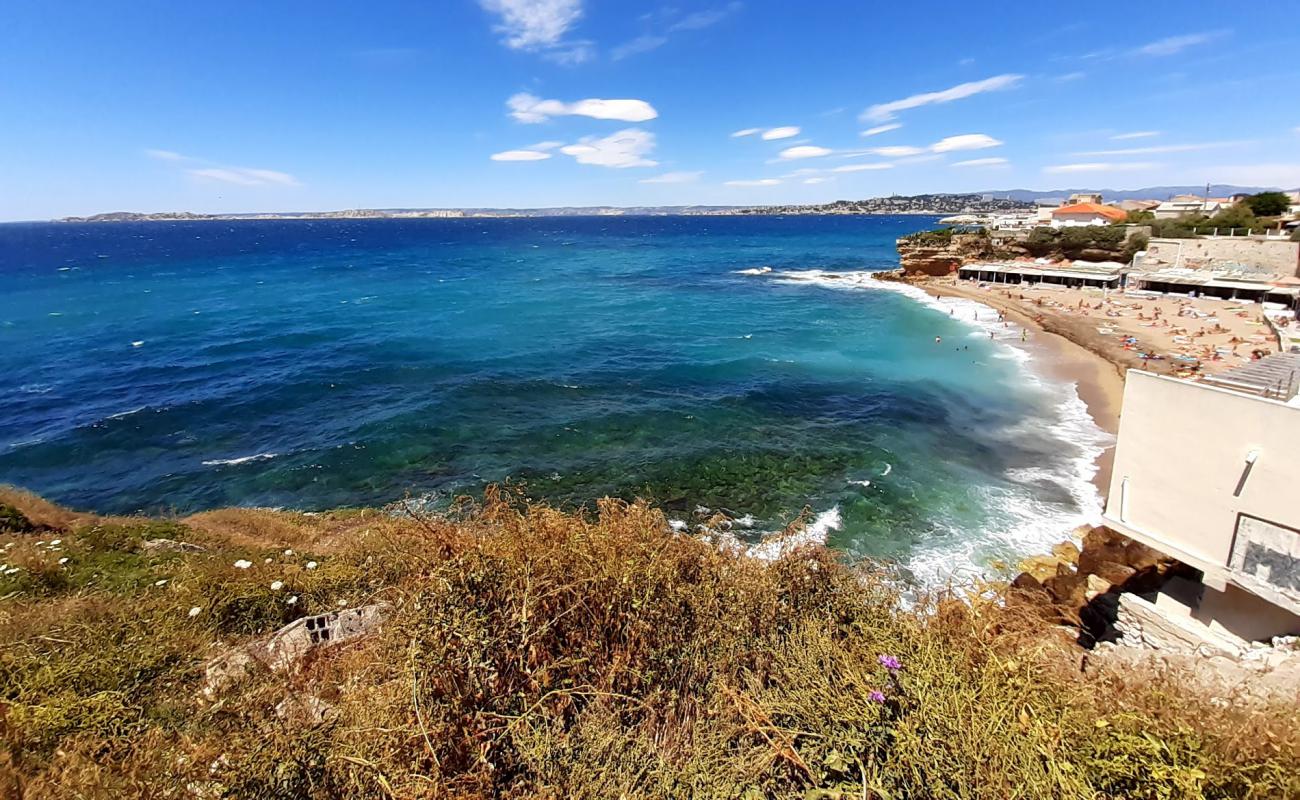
(525, 107)
(883, 112)
(165, 155)
(1132, 166)
(862, 167)
(879, 129)
(966, 141)
(760, 182)
(981, 162)
(804, 151)
(626, 148)
(674, 177)
(896, 151)
(520, 155)
(1135, 135)
(745, 132)
(787, 132)
(812, 181)
(1070, 76)
(1171, 45)
(1166, 148)
(244, 176)
(539, 26)
(544, 146)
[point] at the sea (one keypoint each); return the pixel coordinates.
(745, 364)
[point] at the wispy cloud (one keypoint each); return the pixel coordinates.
(525, 107)
(626, 148)
(520, 155)
(883, 112)
(745, 132)
(1172, 45)
(803, 151)
(654, 39)
(1070, 76)
(1130, 166)
(539, 26)
(787, 132)
(1119, 137)
(981, 162)
(1165, 148)
(759, 182)
(862, 167)
(673, 177)
(814, 181)
(896, 151)
(209, 172)
(879, 129)
(244, 176)
(966, 141)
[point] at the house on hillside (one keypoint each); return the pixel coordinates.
(1076, 214)
(1137, 205)
(1186, 205)
(1083, 197)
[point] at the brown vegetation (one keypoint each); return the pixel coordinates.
(534, 653)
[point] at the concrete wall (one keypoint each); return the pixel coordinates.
(1273, 256)
(1182, 452)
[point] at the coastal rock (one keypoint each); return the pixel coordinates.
(170, 546)
(1112, 573)
(1067, 587)
(930, 256)
(285, 649)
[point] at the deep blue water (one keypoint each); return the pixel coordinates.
(311, 364)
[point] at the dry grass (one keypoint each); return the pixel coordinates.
(532, 653)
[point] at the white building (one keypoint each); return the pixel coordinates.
(1207, 473)
(1078, 214)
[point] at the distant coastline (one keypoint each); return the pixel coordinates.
(919, 205)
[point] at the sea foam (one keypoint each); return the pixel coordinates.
(1019, 523)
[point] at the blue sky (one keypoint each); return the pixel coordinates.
(156, 105)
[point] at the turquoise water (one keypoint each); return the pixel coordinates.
(313, 364)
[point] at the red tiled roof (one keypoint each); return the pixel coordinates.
(1109, 212)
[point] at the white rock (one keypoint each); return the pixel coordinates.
(311, 565)
(243, 563)
(194, 612)
(277, 585)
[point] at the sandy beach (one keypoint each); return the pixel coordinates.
(1089, 337)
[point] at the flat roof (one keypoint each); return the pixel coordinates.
(1056, 271)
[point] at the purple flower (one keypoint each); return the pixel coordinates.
(890, 663)
(877, 697)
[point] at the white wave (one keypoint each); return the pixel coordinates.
(860, 483)
(888, 469)
(225, 462)
(123, 414)
(1020, 523)
(815, 532)
(753, 271)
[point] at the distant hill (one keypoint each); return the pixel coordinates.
(1147, 193)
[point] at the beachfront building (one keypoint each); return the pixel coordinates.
(1257, 269)
(1094, 274)
(1076, 214)
(1206, 473)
